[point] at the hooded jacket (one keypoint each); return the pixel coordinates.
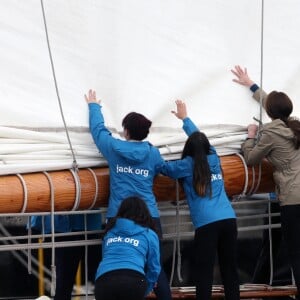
(132, 164)
(203, 210)
(66, 223)
(276, 144)
(131, 246)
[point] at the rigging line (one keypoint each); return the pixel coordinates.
(178, 233)
(56, 85)
(270, 242)
(261, 62)
(53, 249)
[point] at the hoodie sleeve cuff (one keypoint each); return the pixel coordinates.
(254, 87)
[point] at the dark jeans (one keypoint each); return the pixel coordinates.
(290, 226)
(67, 260)
(217, 238)
(162, 290)
(120, 284)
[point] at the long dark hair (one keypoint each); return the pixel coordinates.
(135, 209)
(279, 106)
(198, 147)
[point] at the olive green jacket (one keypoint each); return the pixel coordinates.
(277, 146)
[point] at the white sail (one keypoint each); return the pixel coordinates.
(139, 56)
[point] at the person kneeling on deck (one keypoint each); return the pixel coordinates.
(130, 263)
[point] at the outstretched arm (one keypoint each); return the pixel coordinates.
(101, 135)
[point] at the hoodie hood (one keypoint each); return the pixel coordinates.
(278, 127)
(127, 227)
(133, 151)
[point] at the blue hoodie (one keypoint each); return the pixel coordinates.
(67, 223)
(132, 165)
(131, 246)
(203, 210)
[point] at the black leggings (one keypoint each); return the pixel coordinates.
(216, 238)
(290, 226)
(121, 284)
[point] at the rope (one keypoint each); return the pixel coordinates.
(77, 188)
(86, 269)
(96, 188)
(178, 234)
(53, 268)
(56, 85)
(243, 194)
(176, 242)
(261, 58)
(23, 210)
(16, 254)
(25, 200)
(253, 182)
(259, 179)
(29, 256)
(270, 242)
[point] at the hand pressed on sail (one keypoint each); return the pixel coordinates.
(91, 97)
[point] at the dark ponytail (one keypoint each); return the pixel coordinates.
(294, 124)
(198, 147)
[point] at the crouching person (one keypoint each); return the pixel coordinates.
(130, 263)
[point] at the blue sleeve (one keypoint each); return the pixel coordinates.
(101, 135)
(189, 127)
(159, 162)
(153, 267)
(177, 168)
(43, 223)
(35, 223)
(93, 222)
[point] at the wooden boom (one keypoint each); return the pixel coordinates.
(33, 192)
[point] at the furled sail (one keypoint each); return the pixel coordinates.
(139, 56)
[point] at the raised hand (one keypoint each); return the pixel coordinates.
(91, 97)
(181, 112)
(242, 76)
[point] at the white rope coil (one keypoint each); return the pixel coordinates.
(246, 175)
(77, 189)
(96, 188)
(25, 199)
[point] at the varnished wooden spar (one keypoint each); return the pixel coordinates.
(32, 192)
(258, 179)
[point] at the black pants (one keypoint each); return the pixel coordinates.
(290, 226)
(216, 238)
(162, 290)
(67, 260)
(120, 285)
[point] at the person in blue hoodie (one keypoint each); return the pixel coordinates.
(211, 212)
(67, 259)
(130, 263)
(133, 163)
